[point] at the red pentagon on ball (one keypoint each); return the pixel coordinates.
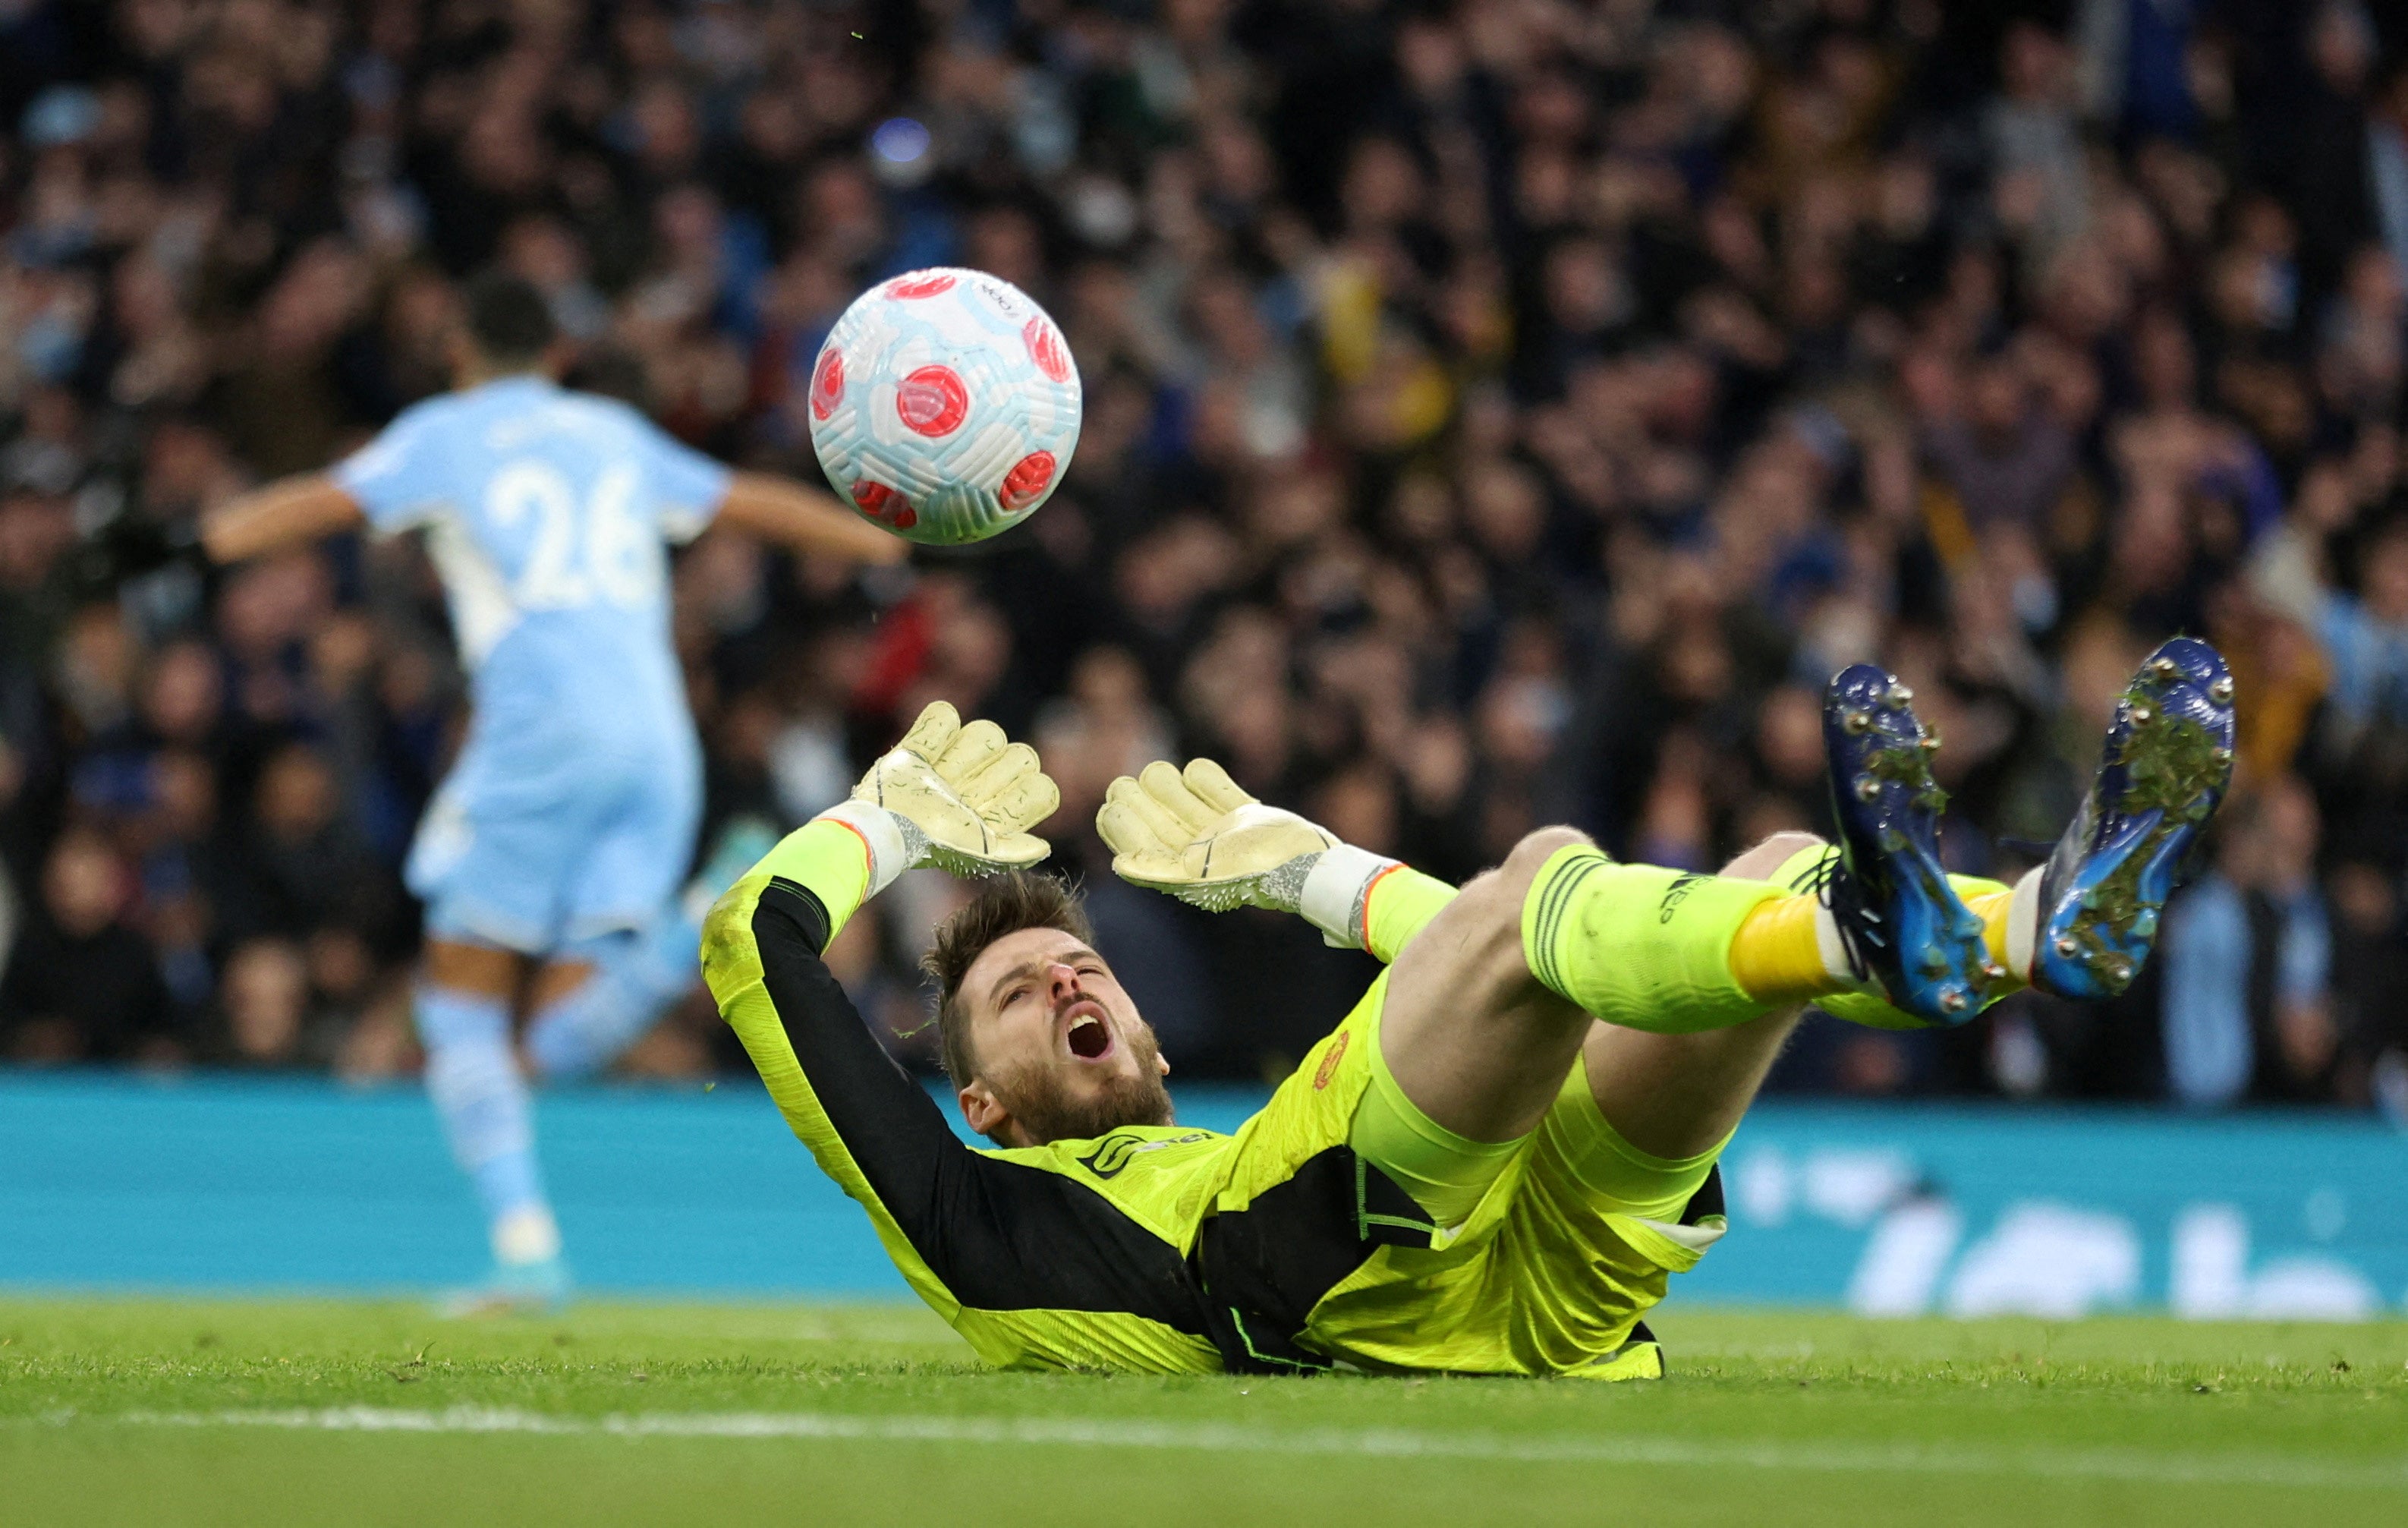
(904, 288)
(1025, 484)
(827, 382)
(1045, 349)
(884, 504)
(932, 402)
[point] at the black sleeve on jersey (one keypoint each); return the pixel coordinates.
(1000, 1235)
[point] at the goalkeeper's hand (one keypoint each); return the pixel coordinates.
(1196, 835)
(961, 798)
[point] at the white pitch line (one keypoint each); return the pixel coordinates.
(2124, 1464)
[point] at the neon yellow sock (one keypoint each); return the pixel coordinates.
(1776, 954)
(1638, 945)
(1398, 904)
(1989, 901)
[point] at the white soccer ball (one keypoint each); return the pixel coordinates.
(945, 405)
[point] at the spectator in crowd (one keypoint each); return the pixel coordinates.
(2248, 961)
(1496, 413)
(82, 983)
(2370, 1003)
(265, 995)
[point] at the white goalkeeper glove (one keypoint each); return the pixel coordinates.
(1196, 835)
(959, 798)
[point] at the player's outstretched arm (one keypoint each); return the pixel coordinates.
(286, 512)
(805, 519)
(1196, 835)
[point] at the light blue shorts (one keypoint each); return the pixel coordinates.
(537, 855)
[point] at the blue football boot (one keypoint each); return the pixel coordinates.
(2165, 768)
(1902, 924)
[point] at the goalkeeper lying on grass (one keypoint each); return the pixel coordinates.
(1492, 1164)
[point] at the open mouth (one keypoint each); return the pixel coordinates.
(1089, 1037)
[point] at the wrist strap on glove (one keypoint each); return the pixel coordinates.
(896, 841)
(1336, 889)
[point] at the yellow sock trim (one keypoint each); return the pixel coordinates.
(1776, 955)
(1991, 907)
(1990, 900)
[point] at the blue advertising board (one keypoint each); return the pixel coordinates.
(1970, 1212)
(200, 1183)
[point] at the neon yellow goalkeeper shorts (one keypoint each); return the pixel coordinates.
(1572, 1242)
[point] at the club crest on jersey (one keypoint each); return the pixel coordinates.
(1328, 1067)
(1115, 1152)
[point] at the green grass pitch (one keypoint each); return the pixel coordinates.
(321, 1411)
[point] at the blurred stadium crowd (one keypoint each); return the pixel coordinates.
(1497, 413)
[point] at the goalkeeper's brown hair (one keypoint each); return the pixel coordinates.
(1002, 905)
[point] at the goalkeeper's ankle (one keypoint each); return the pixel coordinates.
(2011, 924)
(1788, 950)
(2010, 917)
(1791, 951)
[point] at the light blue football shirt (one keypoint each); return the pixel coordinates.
(547, 514)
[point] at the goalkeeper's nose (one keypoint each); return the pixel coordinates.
(1062, 985)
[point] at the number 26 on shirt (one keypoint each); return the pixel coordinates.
(599, 551)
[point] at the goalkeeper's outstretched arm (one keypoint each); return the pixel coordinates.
(960, 797)
(1196, 835)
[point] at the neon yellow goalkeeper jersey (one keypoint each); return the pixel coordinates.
(1166, 1249)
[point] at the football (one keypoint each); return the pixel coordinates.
(945, 405)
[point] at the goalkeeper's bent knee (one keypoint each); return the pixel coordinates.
(1638, 945)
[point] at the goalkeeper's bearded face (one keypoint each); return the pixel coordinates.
(1059, 1052)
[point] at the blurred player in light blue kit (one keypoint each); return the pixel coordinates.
(551, 858)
